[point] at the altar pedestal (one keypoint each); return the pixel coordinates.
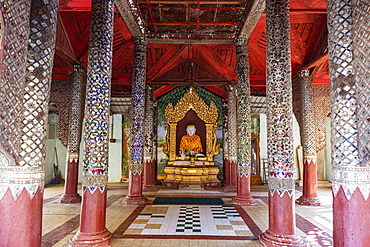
(182, 175)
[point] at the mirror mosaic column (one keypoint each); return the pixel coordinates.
(281, 229)
(26, 79)
(70, 194)
(135, 194)
(308, 138)
(348, 26)
(92, 230)
(225, 146)
(232, 144)
(244, 126)
(149, 160)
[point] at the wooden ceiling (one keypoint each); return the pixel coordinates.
(191, 42)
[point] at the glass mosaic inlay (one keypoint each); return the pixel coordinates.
(279, 98)
(243, 108)
(96, 122)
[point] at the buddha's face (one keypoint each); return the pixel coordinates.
(190, 130)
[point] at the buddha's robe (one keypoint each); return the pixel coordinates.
(191, 142)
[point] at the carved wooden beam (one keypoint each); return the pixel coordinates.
(216, 90)
(130, 14)
(191, 2)
(190, 83)
(160, 38)
(251, 14)
(163, 90)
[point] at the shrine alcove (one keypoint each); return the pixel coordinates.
(191, 116)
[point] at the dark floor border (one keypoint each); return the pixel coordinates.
(126, 223)
(248, 221)
(210, 237)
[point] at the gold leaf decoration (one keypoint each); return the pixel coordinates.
(191, 100)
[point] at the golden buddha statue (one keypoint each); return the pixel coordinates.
(191, 142)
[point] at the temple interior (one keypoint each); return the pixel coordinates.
(184, 123)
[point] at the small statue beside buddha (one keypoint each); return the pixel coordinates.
(190, 143)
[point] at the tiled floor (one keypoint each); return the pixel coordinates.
(184, 225)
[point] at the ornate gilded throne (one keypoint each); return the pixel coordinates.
(180, 172)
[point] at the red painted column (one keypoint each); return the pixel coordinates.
(309, 196)
(244, 125)
(282, 229)
(351, 219)
(21, 219)
(308, 139)
(233, 177)
(226, 170)
(350, 114)
(92, 220)
(149, 173)
(70, 194)
(232, 140)
(225, 146)
(244, 191)
(25, 95)
(149, 135)
(92, 230)
(135, 195)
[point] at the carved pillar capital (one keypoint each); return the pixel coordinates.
(140, 43)
(241, 46)
(78, 68)
(304, 73)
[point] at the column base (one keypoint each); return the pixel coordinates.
(308, 201)
(230, 188)
(134, 200)
(104, 238)
(244, 201)
(150, 188)
(70, 198)
(270, 239)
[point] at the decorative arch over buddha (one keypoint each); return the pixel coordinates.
(192, 108)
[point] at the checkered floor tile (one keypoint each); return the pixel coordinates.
(189, 220)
